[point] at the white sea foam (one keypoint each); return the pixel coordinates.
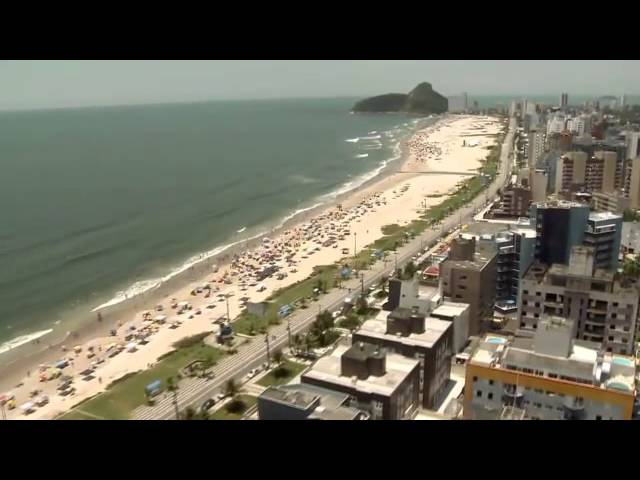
(241, 230)
(362, 155)
(373, 137)
(23, 339)
(361, 180)
(297, 212)
(373, 132)
(353, 140)
(302, 179)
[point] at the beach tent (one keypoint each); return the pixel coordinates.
(160, 318)
(132, 347)
(183, 304)
(5, 397)
(61, 364)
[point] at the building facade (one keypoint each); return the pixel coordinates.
(603, 307)
(469, 276)
(559, 226)
(603, 233)
(551, 377)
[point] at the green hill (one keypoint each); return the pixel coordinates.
(423, 100)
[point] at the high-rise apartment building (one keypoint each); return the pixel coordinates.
(603, 233)
(539, 183)
(410, 334)
(564, 100)
(559, 225)
(551, 376)
(468, 275)
(515, 248)
(575, 171)
(603, 306)
(633, 183)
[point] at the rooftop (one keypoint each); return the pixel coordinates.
(328, 369)
(483, 228)
(584, 365)
(481, 258)
(559, 204)
(601, 216)
(450, 309)
(330, 405)
(434, 329)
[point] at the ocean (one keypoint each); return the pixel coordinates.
(99, 204)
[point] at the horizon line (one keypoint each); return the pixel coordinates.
(328, 97)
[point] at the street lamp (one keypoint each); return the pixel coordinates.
(355, 250)
(266, 340)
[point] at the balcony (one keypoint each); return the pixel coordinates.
(513, 396)
(574, 409)
(552, 304)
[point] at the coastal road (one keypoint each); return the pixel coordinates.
(193, 392)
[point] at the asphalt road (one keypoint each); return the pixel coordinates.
(193, 392)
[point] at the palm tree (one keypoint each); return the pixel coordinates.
(384, 280)
(189, 414)
(171, 385)
(278, 357)
(231, 388)
(361, 305)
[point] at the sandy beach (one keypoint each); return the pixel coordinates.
(454, 144)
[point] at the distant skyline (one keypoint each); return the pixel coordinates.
(44, 84)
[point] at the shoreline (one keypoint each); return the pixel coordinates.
(83, 328)
(401, 205)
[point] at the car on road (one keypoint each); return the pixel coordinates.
(208, 404)
(252, 373)
(221, 396)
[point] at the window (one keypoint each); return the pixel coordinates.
(475, 379)
(525, 292)
(610, 338)
(490, 382)
(490, 396)
(479, 393)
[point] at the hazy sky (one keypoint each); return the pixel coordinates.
(46, 84)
